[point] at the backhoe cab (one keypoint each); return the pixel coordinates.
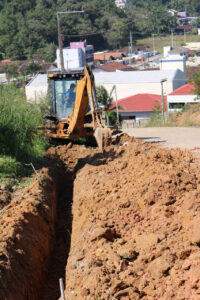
(74, 108)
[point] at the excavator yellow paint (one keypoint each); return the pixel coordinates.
(77, 125)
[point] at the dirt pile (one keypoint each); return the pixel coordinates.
(5, 196)
(27, 232)
(135, 224)
(135, 230)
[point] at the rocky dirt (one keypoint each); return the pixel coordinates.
(135, 228)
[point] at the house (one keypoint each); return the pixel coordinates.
(105, 57)
(173, 62)
(180, 97)
(183, 28)
(25, 63)
(44, 67)
(139, 107)
(133, 50)
(182, 14)
(181, 51)
(5, 62)
(36, 88)
(123, 4)
(193, 46)
(76, 56)
(113, 67)
(3, 78)
(137, 82)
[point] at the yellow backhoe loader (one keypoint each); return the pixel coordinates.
(74, 108)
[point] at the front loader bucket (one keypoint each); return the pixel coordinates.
(103, 137)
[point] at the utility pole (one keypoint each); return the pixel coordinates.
(184, 37)
(117, 108)
(172, 38)
(131, 41)
(153, 43)
(162, 94)
(131, 47)
(60, 42)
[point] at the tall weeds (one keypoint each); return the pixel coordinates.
(18, 119)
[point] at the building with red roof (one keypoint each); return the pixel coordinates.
(5, 62)
(177, 99)
(113, 67)
(186, 89)
(139, 107)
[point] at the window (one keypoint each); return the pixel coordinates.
(176, 105)
(65, 94)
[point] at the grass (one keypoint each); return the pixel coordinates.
(18, 142)
(155, 120)
(161, 41)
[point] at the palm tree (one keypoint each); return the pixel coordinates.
(105, 98)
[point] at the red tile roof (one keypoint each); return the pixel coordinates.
(139, 102)
(108, 55)
(113, 66)
(5, 62)
(186, 89)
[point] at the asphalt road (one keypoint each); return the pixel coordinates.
(170, 137)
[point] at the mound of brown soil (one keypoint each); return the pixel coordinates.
(135, 230)
(135, 226)
(27, 232)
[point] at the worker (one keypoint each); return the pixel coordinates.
(69, 100)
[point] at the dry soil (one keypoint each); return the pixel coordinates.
(133, 231)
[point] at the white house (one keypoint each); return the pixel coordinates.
(122, 4)
(178, 98)
(36, 88)
(137, 82)
(173, 62)
(127, 83)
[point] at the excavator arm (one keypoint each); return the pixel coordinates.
(86, 118)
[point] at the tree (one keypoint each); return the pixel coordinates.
(112, 115)
(104, 98)
(33, 68)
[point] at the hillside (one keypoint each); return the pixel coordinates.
(29, 29)
(189, 117)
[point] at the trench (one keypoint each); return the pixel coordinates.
(38, 223)
(63, 228)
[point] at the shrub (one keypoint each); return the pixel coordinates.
(112, 116)
(9, 167)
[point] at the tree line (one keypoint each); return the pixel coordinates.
(28, 28)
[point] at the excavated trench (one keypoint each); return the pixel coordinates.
(134, 232)
(35, 229)
(63, 228)
(35, 236)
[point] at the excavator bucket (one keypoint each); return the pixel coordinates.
(103, 137)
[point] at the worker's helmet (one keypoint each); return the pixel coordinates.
(72, 86)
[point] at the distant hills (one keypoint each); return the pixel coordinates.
(28, 28)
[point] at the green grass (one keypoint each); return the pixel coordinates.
(9, 167)
(161, 41)
(155, 120)
(18, 142)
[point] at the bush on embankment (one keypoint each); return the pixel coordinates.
(18, 119)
